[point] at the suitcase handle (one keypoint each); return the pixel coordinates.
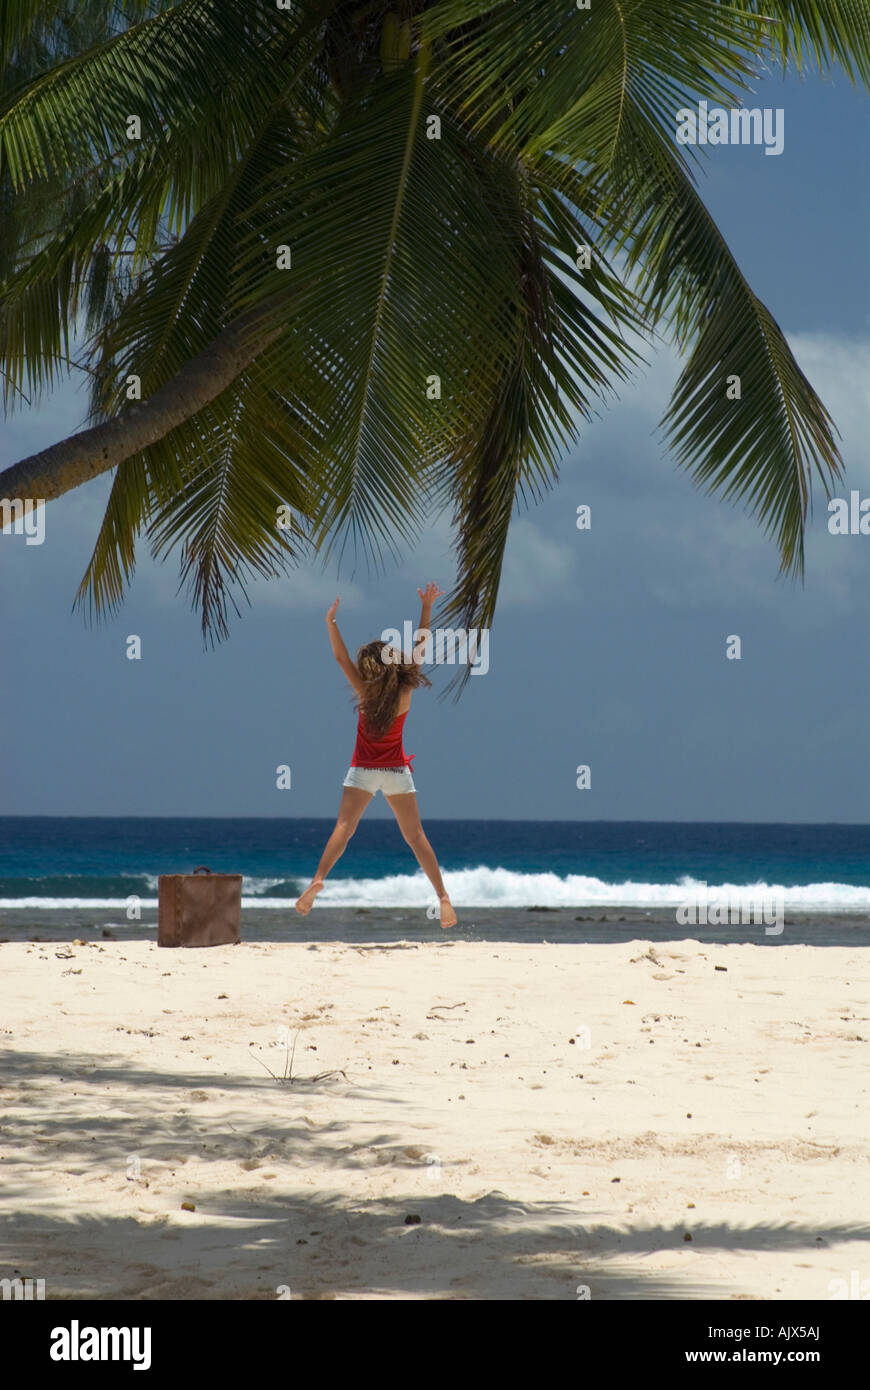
(202, 870)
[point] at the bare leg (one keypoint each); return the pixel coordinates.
(353, 803)
(404, 808)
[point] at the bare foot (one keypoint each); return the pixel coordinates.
(448, 916)
(305, 900)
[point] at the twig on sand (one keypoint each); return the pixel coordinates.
(435, 1008)
(288, 1061)
(288, 1068)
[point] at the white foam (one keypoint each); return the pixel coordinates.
(49, 904)
(483, 887)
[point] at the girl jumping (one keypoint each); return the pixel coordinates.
(383, 681)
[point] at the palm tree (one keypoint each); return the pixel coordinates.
(331, 280)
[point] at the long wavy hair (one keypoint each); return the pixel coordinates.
(385, 678)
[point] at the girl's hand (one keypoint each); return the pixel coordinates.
(430, 593)
(330, 617)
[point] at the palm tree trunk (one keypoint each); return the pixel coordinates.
(77, 459)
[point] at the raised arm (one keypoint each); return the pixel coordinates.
(427, 598)
(340, 652)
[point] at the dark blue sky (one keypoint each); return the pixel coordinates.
(609, 645)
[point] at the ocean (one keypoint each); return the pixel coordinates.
(94, 865)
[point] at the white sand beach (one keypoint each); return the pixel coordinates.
(464, 1120)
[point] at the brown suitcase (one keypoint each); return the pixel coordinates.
(199, 909)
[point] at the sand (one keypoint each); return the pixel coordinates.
(463, 1120)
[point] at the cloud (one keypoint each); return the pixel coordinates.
(536, 566)
(308, 586)
(691, 549)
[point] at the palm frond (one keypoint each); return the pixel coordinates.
(44, 290)
(176, 310)
(615, 146)
(138, 201)
(826, 33)
(176, 71)
(385, 302)
(48, 26)
(227, 519)
(767, 446)
(566, 356)
(527, 84)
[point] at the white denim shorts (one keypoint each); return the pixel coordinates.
(389, 780)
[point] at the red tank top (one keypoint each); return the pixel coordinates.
(380, 750)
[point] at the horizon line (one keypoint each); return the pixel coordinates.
(489, 820)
